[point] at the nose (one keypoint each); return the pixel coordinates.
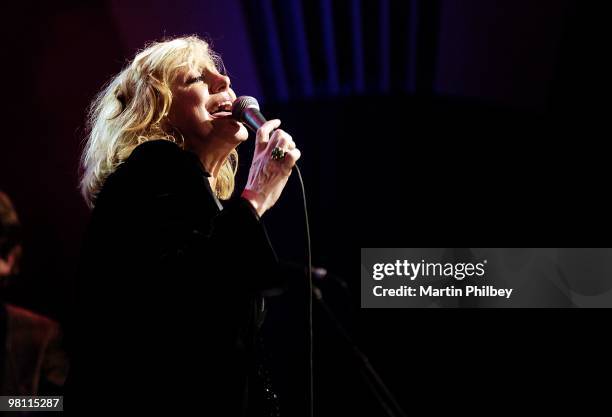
(220, 83)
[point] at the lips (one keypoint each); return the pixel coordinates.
(220, 107)
(221, 114)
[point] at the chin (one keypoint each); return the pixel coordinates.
(242, 134)
(234, 131)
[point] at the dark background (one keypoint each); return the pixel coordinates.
(421, 123)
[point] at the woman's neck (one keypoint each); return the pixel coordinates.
(212, 157)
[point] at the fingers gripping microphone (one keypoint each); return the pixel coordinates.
(246, 110)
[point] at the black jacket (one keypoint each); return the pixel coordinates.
(170, 291)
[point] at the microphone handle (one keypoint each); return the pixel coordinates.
(253, 118)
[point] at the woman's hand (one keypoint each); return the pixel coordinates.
(268, 176)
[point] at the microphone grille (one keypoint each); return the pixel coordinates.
(241, 104)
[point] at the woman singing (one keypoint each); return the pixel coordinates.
(171, 280)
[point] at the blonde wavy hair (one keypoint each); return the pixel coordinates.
(130, 107)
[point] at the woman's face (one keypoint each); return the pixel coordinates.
(202, 109)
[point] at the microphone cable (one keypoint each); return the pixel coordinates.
(245, 109)
(310, 291)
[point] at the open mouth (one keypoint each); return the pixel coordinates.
(222, 109)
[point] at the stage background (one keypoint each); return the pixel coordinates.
(422, 123)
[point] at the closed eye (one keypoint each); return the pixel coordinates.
(195, 79)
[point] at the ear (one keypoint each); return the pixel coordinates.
(9, 266)
(6, 265)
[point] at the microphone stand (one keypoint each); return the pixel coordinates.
(369, 374)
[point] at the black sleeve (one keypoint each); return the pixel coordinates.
(185, 233)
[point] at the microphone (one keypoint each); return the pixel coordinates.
(246, 110)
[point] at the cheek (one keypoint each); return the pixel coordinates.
(196, 107)
(190, 112)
